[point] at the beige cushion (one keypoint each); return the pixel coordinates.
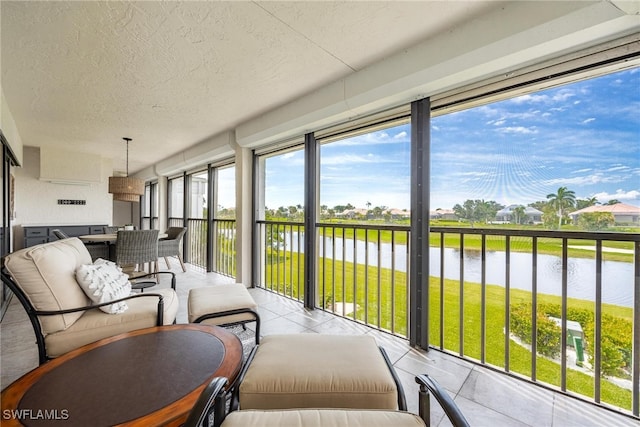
(322, 418)
(47, 275)
(96, 324)
(318, 371)
(214, 299)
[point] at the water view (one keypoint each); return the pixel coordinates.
(617, 277)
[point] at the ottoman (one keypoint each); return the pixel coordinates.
(320, 371)
(223, 305)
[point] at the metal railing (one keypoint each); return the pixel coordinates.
(197, 242)
(224, 247)
(567, 306)
(477, 314)
(224, 244)
(281, 264)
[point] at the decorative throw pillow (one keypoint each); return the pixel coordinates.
(104, 281)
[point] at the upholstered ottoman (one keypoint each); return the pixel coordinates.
(320, 371)
(223, 305)
(322, 418)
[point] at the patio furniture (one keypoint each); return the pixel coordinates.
(319, 371)
(212, 402)
(43, 278)
(148, 377)
(170, 246)
(96, 250)
(134, 249)
(223, 305)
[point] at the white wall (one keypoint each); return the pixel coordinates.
(36, 202)
(9, 129)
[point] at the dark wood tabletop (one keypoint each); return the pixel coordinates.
(151, 376)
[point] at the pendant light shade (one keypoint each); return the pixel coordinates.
(125, 188)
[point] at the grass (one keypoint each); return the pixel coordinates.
(343, 281)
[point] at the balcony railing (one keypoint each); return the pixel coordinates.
(224, 244)
(560, 309)
(224, 247)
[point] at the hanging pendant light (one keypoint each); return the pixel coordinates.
(124, 188)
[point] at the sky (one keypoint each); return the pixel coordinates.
(584, 136)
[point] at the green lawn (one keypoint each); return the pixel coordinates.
(336, 281)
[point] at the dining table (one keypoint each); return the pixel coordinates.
(108, 237)
(150, 376)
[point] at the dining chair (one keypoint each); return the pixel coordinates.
(96, 250)
(170, 246)
(134, 250)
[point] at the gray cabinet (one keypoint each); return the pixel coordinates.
(34, 235)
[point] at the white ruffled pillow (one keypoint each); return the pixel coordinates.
(104, 281)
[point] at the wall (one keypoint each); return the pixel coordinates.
(9, 129)
(36, 202)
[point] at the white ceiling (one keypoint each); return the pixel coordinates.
(178, 76)
(82, 75)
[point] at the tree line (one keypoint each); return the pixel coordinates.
(555, 211)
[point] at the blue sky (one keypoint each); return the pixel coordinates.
(585, 136)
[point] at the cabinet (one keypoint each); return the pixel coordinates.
(34, 235)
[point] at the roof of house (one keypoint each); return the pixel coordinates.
(527, 210)
(617, 209)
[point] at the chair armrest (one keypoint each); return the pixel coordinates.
(235, 387)
(212, 395)
(173, 277)
(402, 400)
(89, 307)
(451, 409)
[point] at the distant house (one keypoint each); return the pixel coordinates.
(443, 214)
(352, 213)
(532, 215)
(398, 213)
(622, 213)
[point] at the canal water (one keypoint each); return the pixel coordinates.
(617, 277)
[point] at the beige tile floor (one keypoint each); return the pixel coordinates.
(486, 397)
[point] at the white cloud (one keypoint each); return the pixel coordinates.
(583, 170)
(578, 180)
(589, 120)
(618, 168)
(518, 129)
(350, 159)
(619, 195)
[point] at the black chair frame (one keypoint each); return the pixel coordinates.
(33, 314)
(231, 313)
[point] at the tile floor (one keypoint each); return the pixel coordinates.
(486, 397)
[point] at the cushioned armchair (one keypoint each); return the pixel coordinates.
(96, 250)
(170, 246)
(43, 278)
(212, 402)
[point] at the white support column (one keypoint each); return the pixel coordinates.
(244, 217)
(162, 203)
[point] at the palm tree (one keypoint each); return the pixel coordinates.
(562, 199)
(519, 212)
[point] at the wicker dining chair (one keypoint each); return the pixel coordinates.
(134, 250)
(170, 246)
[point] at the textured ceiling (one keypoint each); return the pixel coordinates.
(81, 75)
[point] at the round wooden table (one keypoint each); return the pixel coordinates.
(151, 376)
